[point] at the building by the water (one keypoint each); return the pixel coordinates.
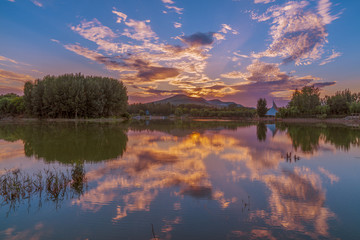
(272, 111)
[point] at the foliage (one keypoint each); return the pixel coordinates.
(307, 103)
(355, 107)
(261, 107)
(49, 185)
(288, 112)
(164, 109)
(339, 104)
(193, 110)
(306, 100)
(74, 95)
(11, 104)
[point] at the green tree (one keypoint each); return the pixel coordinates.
(355, 107)
(11, 104)
(306, 101)
(261, 108)
(75, 95)
(339, 104)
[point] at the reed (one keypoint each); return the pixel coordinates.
(49, 184)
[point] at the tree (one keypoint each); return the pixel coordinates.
(306, 100)
(11, 104)
(75, 95)
(355, 107)
(261, 108)
(340, 103)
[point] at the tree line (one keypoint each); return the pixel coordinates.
(193, 110)
(75, 95)
(308, 103)
(11, 104)
(68, 96)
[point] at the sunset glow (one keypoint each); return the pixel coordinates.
(231, 50)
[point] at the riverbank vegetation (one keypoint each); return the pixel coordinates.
(68, 96)
(307, 103)
(11, 104)
(73, 96)
(261, 107)
(50, 185)
(191, 110)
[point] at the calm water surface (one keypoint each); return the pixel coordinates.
(179, 180)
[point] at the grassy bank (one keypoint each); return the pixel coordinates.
(350, 122)
(21, 119)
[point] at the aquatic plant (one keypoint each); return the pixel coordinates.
(52, 185)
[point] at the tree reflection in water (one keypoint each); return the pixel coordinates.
(69, 142)
(307, 137)
(261, 131)
(202, 160)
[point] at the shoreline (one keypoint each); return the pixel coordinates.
(35, 120)
(344, 121)
(353, 122)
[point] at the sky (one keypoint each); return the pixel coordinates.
(233, 50)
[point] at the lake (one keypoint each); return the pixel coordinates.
(179, 180)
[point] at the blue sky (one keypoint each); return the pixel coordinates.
(236, 50)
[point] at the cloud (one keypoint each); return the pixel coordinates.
(331, 58)
(13, 82)
(12, 76)
(121, 16)
(199, 39)
(241, 55)
(54, 40)
(324, 84)
(267, 80)
(233, 75)
(93, 30)
(263, 1)
(168, 1)
(172, 7)
(37, 3)
(12, 61)
(157, 73)
(144, 64)
(85, 52)
(141, 31)
(225, 28)
(147, 92)
(323, 8)
(298, 33)
(152, 68)
(177, 25)
(98, 33)
(176, 9)
(142, 71)
(2, 58)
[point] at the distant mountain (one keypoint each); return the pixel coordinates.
(183, 99)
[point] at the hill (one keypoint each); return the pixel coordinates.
(183, 99)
